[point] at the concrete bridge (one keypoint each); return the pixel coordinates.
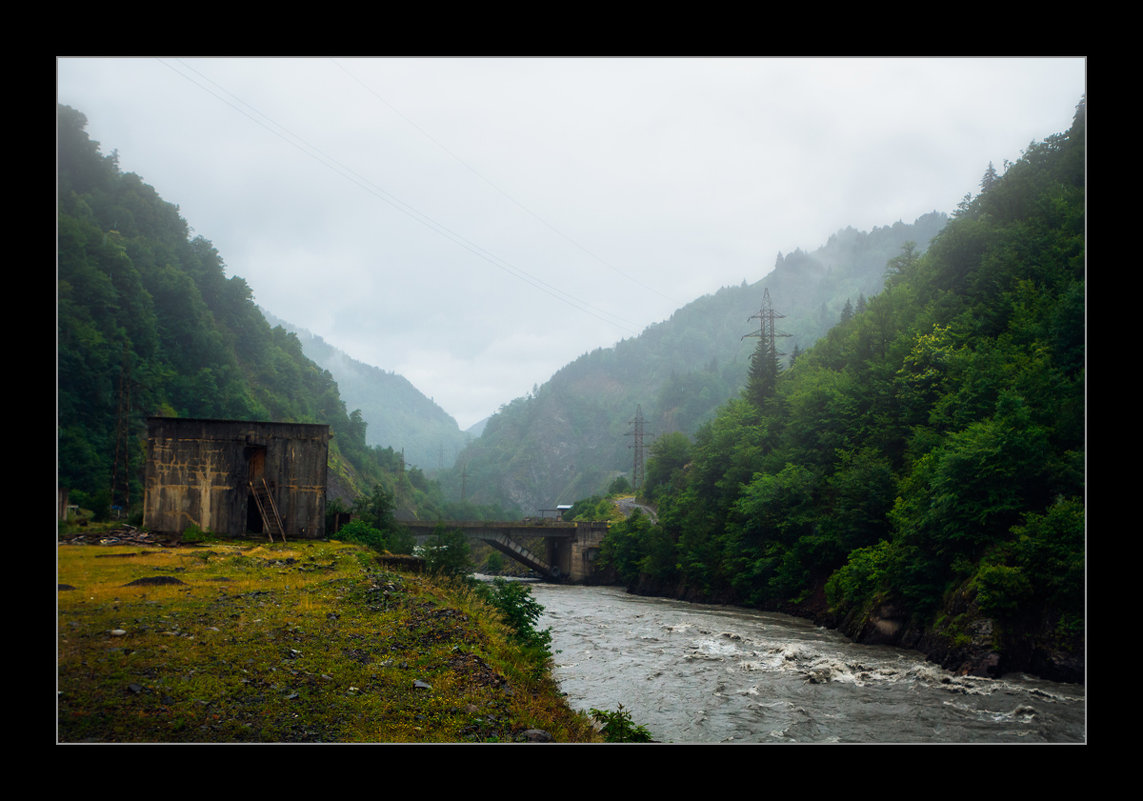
(569, 549)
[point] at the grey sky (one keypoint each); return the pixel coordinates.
(475, 224)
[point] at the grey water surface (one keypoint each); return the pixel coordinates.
(694, 673)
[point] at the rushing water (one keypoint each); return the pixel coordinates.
(694, 673)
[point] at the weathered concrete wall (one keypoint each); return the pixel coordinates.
(199, 473)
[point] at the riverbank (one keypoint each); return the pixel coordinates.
(967, 642)
(310, 642)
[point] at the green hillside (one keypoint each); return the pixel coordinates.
(918, 476)
(572, 436)
(148, 323)
(911, 467)
(398, 415)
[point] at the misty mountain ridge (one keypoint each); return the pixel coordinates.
(142, 301)
(575, 434)
(677, 372)
(396, 413)
(150, 323)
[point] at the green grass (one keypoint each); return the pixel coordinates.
(306, 642)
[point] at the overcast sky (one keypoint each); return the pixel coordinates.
(476, 224)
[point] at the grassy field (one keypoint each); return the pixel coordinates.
(309, 642)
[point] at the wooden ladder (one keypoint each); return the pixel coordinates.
(271, 520)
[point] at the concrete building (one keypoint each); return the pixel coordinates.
(234, 478)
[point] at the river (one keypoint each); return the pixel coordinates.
(693, 673)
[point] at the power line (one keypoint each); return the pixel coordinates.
(498, 189)
(352, 176)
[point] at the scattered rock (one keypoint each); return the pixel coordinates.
(819, 676)
(123, 535)
(537, 736)
(153, 580)
(411, 564)
(1024, 711)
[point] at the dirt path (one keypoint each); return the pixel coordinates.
(629, 505)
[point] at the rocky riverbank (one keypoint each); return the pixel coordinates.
(968, 644)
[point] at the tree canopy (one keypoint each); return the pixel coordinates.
(931, 445)
(149, 323)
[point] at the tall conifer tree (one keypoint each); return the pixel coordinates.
(764, 364)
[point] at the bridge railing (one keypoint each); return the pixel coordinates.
(498, 524)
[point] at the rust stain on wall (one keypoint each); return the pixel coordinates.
(206, 473)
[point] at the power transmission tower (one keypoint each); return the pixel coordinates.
(121, 467)
(637, 445)
(764, 366)
(767, 331)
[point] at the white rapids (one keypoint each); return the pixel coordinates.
(693, 673)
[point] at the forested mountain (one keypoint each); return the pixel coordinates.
(915, 475)
(396, 413)
(574, 434)
(918, 476)
(148, 323)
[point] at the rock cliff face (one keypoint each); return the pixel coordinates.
(968, 642)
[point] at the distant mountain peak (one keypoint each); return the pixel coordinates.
(396, 413)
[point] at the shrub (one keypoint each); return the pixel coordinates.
(618, 727)
(859, 579)
(620, 486)
(494, 563)
(361, 533)
(1002, 590)
(193, 534)
(400, 540)
(448, 554)
(521, 611)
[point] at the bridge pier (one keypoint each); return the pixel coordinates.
(575, 557)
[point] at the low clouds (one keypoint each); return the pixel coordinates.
(475, 224)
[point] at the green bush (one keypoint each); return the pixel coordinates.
(193, 534)
(448, 553)
(859, 579)
(400, 540)
(1050, 549)
(1002, 590)
(361, 533)
(620, 486)
(521, 611)
(618, 727)
(625, 545)
(494, 563)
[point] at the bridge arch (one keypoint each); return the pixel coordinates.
(570, 548)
